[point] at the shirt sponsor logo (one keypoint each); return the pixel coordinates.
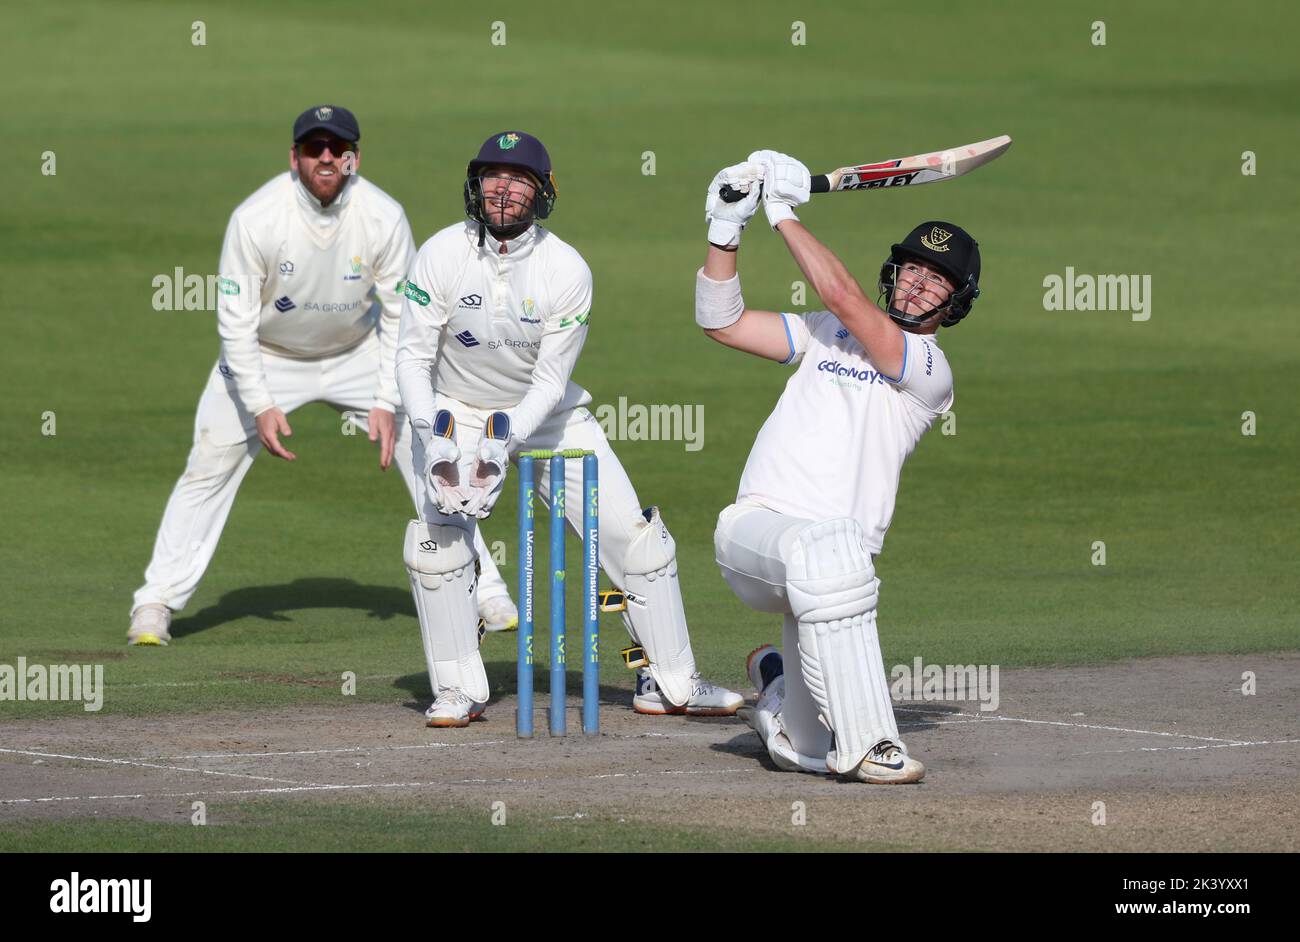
(284, 304)
(466, 338)
(331, 307)
(471, 301)
(414, 292)
(228, 286)
(514, 344)
(838, 369)
(929, 359)
(579, 320)
(226, 371)
(286, 268)
(841, 333)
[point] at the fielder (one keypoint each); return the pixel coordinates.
(310, 282)
(818, 490)
(496, 315)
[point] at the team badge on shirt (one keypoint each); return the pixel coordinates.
(355, 266)
(530, 313)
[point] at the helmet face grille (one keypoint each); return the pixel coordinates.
(956, 307)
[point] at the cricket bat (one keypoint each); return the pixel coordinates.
(902, 171)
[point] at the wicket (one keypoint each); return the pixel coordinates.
(590, 593)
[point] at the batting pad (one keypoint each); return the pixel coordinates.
(832, 588)
(656, 618)
(441, 562)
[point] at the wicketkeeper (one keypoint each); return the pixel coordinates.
(496, 314)
(818, 490)
(310, 281)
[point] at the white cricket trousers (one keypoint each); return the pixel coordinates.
(751, 545)
(225, 444)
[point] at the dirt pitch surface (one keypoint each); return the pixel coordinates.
(1181, 758)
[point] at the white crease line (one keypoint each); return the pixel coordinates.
(431, 745)
(247, 680)
(673, 772)
(146, 765)
(1217, 745)
(320, 752)
(362, 786)
(1109, 729)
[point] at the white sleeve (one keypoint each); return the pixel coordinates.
(798, 331)
(562, 340)
(926, 377)
(390, 267)
(241, 274)
(424, 314)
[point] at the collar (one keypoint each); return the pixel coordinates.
(312, 207)
(518, 248)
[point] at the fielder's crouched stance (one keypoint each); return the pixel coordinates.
(494, 320)
(311, 273)
(818, 490)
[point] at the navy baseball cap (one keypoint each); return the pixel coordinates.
(513, 149)
(332, 118)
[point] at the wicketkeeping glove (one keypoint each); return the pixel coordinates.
(491, 461)
(441, 461)
(786, 184)
(726, 220)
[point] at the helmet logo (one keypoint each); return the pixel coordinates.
(507, 141)
(324, 114)
(936, 239)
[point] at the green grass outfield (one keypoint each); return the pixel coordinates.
(1072, 427)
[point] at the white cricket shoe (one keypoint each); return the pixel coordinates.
(453, 709)
(498, 613)
(706, 699)
(888, 764)
(150, 624)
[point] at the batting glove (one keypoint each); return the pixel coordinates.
(491, 461)
(727, 220)
(786, 184)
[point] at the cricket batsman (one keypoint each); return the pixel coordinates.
(310, 283)
(818, 490)
(496, 315)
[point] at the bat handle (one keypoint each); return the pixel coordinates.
(729, 194)
(820, 184)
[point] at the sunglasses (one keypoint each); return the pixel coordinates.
(314, 148)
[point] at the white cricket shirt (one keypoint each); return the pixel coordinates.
(835, 444)
(493, 330)
(303, 281)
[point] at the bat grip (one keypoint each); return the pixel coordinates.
(820, 184)
(729, 194)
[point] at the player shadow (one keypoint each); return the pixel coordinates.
(503, 680)
(276, 603)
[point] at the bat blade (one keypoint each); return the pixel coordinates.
(933, 167)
